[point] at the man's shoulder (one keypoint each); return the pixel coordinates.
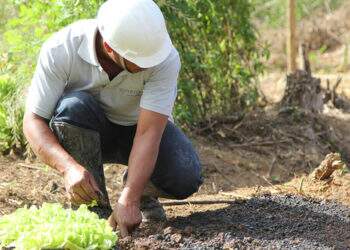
(171, 62)
(70, 36)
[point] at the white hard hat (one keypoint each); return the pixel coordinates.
(136, 30)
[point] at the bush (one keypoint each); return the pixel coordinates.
(220, 54)
(11, 112)
(216, 40)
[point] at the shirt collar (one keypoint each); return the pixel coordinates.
(87, 49)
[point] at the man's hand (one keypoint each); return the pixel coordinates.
(81, 186)
(126, 215)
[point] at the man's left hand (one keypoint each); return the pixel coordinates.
(126, 215)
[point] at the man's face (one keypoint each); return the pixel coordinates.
(129, 66)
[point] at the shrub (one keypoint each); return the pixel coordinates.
(221, 57)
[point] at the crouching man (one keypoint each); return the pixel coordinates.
(103, 91)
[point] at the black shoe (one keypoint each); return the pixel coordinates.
(152, 210)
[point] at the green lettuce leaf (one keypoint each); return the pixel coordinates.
(52, 226)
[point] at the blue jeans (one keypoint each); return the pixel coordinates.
(177, 171)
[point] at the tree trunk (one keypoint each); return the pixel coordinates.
(291, 38)
(302, 90)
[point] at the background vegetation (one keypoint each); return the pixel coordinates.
(272, 12)
(219, 46)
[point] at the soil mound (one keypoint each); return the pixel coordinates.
(268, 222)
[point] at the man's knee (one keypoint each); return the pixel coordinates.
(186, 185)
(81, 109)
(180, 183)
(178, 169)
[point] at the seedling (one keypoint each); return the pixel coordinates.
(53, 227)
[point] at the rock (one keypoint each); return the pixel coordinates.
(158, 237)
(176, 238)
(126, 239)
(168, 230)
(143, 245)
(188, 230)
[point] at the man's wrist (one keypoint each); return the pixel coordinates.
(129, 197)
(64, 169)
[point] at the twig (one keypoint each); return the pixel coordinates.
(292, 136)
(30, 166)
(201, 202)
(272, 165)
(300, 190)
(210, 126)
(235, 195)
(36, 168)
(265, 179)
(257, 144)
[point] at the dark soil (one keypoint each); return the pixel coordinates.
(267, 222)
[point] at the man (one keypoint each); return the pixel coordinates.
(103, 91)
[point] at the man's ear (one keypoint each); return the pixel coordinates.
(107, 47)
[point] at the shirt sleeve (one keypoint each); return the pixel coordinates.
(48, 81)
(160, 90)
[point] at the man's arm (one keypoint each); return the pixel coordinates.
(144, 152)
(79, 183)
(45, 144)
(142, 160)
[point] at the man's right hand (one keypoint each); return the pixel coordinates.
(81, 186)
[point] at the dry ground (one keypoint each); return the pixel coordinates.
(247, 164)
(257, 190)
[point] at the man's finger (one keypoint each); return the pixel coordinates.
(112, 222)
(89, 191)
(101, 197)
(123, 231)
(76, 199)
(79, 190)
(132, 228)
(94, 185)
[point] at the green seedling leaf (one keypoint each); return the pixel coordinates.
(53, 227)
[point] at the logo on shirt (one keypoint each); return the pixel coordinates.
(131, 92)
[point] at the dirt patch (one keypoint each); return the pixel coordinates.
(263, 148)
(269, 222)
(336, 188)
(243, 158)
(31, 184)
(268, 147)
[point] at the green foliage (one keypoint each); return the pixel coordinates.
(220, 56)
(32, 24)
(273, 12)
(216, 40)
(52, 226)
(11, 112)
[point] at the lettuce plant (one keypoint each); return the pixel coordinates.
(52, 227)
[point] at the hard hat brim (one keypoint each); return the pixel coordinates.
(155, 59)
